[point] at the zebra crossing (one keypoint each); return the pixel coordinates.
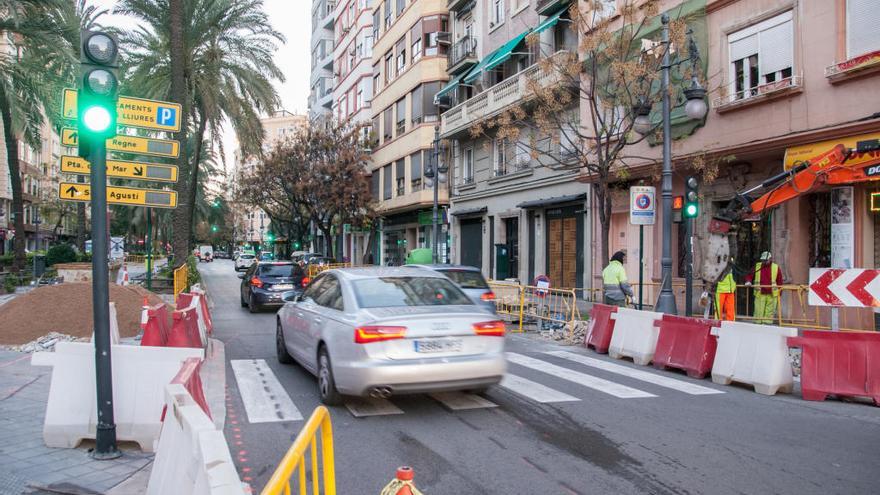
(265, 400)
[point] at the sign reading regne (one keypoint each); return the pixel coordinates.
(128, 144)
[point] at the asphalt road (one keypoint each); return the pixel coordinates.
(673, 434)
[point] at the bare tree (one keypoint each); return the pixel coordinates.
(582, 104)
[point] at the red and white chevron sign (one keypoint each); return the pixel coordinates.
(852, 287)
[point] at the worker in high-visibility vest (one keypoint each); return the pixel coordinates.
(767, 277)
(615, 285)
(725, 294)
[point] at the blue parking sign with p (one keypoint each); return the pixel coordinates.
(166, 116)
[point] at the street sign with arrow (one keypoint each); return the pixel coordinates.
(132, 196)
(128, 144)
(122, 169)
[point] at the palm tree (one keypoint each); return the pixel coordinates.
(227, 48)
(33, 68)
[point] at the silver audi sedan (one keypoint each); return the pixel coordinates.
(386, 331)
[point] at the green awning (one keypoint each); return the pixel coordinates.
(549, 22)
(506, 51)
(450, 86)
(495, 58)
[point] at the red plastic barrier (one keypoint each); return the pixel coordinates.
(185, 330)
(686, 344)
(203, 300)
(184, 300)
(189, 377)
(156, 330)
(839, 363)
(601, 328)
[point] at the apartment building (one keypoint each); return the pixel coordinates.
(253, 224)
(321, 80)
(408, 70)
(788, 80)
(515, 211)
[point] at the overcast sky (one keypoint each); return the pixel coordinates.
(293, 19)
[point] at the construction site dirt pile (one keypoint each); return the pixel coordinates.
(67, 309)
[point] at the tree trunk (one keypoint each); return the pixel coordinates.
(81, 227)
(182, 216)
(197, 157)
(603, 201)
(18, 242)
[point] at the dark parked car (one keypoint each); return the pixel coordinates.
(266, 283)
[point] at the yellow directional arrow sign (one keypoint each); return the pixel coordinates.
(128, 144)
(134, 112)
(72, 191)
(122, 169)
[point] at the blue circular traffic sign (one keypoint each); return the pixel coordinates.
(643, 201)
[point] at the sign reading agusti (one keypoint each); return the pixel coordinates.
(75, 191)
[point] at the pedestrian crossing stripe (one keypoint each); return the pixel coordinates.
(265, 399)
(360, 407)
(458, 401)
(534, 390)
(589, 381)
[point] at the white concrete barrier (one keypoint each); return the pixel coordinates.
(139, 377)
(193, 457)
(756, 355)
(635, 335)
(114, 326)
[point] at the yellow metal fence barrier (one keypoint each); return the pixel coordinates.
(548, 307)
(314, 270)
(296, 456)
(181, 276)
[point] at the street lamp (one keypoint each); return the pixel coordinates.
(695, 108)
(435, 179)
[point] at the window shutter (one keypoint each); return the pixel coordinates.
(417, 104)
(415, 165)
(401, 168)
(862, 33)
(776, 48)
(743, 47)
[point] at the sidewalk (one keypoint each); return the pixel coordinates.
(26, 464)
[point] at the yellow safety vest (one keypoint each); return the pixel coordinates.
(727, 285)
(774, 272)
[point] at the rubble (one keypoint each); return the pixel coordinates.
(44, 343)
(571, 333)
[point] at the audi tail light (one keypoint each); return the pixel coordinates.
(489, 328)
(369, 334)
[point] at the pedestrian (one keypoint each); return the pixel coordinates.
(725, 294)
(615, 286)
(767, 278)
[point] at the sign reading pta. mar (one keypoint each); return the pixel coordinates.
(134, 112)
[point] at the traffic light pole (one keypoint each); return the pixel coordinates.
(105, 437)
(689, 267)
(149, 241)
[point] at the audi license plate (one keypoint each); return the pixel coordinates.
(438, 345)
(282, 287)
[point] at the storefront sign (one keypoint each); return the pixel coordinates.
(642, 206)
(842, 227)
(875, 202)
(811, 151)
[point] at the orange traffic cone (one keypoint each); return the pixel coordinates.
(145, 316)
(125, 279)
(402, 484)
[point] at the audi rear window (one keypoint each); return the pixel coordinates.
(393, 292)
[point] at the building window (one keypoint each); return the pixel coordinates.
(401, 5)
(375, 131)
(862, 35)
(377, 22)
(432, 26)
(416, 110)
(377, 76)
(502, 156)
(467, 166)
(359, 98)
(430, 112)
(389, 66)
(415, 36)
(400, 176)
(401, 115)
(415, 175)
(388, 14)
(374, 185)
(401, 54)
(386, 182)
(761, 54)
(388, 124)
(497, 13)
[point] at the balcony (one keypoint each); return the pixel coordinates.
(322, 17)
(496, 99)
(550, 7)
(456, 5)
(770, 91)
(854, 67)
(462, 55)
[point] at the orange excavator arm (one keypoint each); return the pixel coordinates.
(828, 168)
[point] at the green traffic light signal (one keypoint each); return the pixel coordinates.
(97, 119)
(691, 198)
(98, 86)
(213, 228)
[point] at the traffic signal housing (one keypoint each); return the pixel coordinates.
(691, 198)
(98, 85)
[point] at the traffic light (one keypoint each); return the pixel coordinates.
(296, 245)
(691, 198)
(98, 85)
(213, 228)
(270, 237)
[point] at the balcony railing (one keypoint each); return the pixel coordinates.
(462, 50)
(758, 93)
(499, 97)
(550, 7)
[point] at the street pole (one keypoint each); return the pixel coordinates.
(689, 267)
(149, 241)
(105, 435)
(666, 300)
(641, 262)
(435, 254)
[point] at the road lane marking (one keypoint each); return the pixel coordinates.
(265, 400)
(534, 390)
(589, 381)
(459, 401)
(360, 407)
(681, 386)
